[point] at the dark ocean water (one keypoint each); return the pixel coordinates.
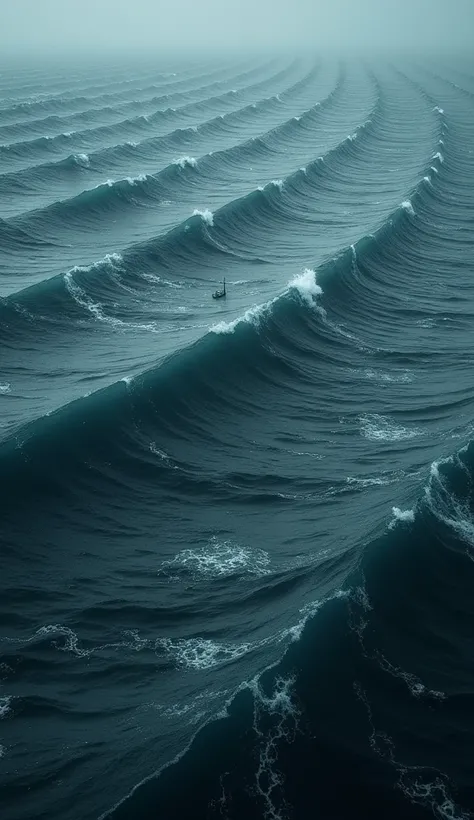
(237, 536)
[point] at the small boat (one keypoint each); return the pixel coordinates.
(218, 294)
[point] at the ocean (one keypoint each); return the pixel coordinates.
(237, 534)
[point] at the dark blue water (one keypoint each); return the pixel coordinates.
(237, 535)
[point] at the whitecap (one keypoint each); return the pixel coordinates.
(207, 216)
(82, 159)
(137, 179)
(186, 161)
(252, 316)
(408, 207)
(306, 285)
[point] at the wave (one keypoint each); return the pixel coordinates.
(87, 117)
(366, 648)
(23, 111)
(115, 400)
(131, 128)
(154, 187)
(277, 203)
(34, 177)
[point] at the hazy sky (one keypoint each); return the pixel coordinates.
(59, 25)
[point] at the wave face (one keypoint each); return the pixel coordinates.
(237, 534)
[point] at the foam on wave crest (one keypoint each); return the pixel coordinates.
(82, 160)
(184, 162)
(408, 207)
(304, 284)
(206, 215)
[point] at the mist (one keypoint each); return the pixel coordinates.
(55, 26)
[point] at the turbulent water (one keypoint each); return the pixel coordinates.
(238, 534)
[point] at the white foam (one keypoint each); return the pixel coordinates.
(277, 183)
(453, 512)
(219, 559)
(128, 380)
(137, 179)
(112, 260)
(108, 183)
(186, 161)
(380, 428)
(403, 516)
(95, 308)
(438, 156)
(438, 109)
(5, 707)
(131, 640)
(284, 715)
(82, 159)
(415, 685)
(192, 708)
(152, 277)
(162, 455)
(207, 216)
(376, 481)
(404, 377)
(308, 611)
(252, 316)
(5, 387)
(408, 207)
(432, 793)
(306, 285)
(201, 653)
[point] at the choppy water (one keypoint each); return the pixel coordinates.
(237, 534)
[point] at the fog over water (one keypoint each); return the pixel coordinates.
(56, 26)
